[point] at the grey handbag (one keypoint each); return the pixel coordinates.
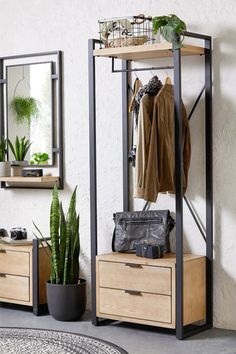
(150, 226)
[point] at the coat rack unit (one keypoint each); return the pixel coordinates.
(156, 51)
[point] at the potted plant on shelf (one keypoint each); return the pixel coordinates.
(19, 152)
(5, 166)
(24, 109)
(66, 292)
(39, 158)
(169, 26)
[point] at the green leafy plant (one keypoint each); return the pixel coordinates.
(39, 158)
(3, 146)
(64, 248)
(21, 148)
(24, 108)
(169, 25)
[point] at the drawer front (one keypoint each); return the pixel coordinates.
(15, 262)
(138, 277)
(14, 287)
(142, 306)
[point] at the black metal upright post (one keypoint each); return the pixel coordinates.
(209, 182)
(125, 135)
(60, 121)
(93, 173)
(179, 193)
(2, 132)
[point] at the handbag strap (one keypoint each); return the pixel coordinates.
(146, 206)
(113, 240)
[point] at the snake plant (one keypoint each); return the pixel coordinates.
(64, 248)
(21, 148)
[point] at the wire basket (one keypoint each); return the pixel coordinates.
(125, 31)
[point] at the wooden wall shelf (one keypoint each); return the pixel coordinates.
(43, 179)
(148, 51)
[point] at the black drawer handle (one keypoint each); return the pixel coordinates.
(2, 275)
(133, 265)
(3, 251)
(133, 292)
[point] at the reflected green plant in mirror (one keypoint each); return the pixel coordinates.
(20, 149)
(24, 109)
(39, 158)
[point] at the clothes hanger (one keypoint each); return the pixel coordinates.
(168, 81)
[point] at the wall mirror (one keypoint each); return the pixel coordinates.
(31, 108)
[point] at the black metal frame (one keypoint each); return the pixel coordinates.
(57, 109)
(181, 330)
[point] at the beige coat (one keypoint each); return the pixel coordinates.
(155, 158)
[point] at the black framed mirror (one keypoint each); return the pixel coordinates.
(31, 108)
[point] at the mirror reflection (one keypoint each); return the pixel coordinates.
(29, 110)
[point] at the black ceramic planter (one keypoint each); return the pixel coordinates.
(66, 302)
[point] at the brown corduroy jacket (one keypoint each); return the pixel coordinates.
(155, 156)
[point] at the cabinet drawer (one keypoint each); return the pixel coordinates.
(14, 287)
(14, 262)
(149, 279)
(143, 306)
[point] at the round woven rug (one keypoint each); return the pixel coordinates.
(25, 341)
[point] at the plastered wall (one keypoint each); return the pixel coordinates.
(42, 25)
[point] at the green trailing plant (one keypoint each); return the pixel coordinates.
(64, 248)
(24, 108)
(20, 149)
(39, 158)
(3, 146)
(169, 26)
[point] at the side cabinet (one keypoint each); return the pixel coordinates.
(24, 271)
(141, 290)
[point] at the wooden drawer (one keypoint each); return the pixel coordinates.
(142, 306)
(14, 287)
(149, 279)
(14, 262)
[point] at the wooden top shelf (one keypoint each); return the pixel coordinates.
(43, 179)
(147, 51)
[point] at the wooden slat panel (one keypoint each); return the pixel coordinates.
(194, 290)
(144, 306)
(145, 278)
(149, 51)
(15, 262)
(14, 287)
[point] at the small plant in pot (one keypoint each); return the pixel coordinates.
(66, 292)
(171, 28)
(19, 152)
(5, 166)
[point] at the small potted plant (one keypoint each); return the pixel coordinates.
(169, 26)
(39, 158)
(19, 152)
(24, 109)
(66, 292)
(5, 166)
